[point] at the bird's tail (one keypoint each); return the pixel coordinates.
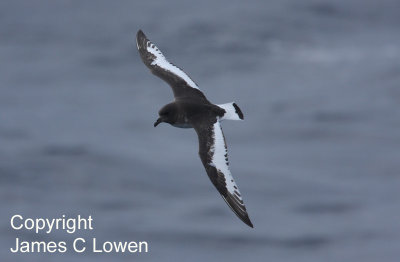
(232, 112)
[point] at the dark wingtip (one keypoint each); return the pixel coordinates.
(241, 213)
(247, 221)
(140, 34)
(141, 39)
(238, 111)
(250, 224)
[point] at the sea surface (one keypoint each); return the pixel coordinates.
(317, 158)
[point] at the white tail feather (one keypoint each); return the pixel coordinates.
(232, 112)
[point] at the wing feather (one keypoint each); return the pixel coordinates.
(182, 85)
(214, 155)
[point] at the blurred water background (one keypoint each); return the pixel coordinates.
(317, 158)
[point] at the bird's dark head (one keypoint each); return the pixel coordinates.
(167, 114)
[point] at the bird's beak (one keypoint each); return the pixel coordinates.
(159, 120)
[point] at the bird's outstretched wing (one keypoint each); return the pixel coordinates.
(214, 155)
(182, 85)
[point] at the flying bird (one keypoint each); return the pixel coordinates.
(191, 109)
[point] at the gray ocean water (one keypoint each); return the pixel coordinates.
(317, 158)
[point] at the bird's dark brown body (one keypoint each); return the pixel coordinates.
(183, 113)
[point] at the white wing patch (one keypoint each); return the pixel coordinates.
(162, 62)
(220, 160)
